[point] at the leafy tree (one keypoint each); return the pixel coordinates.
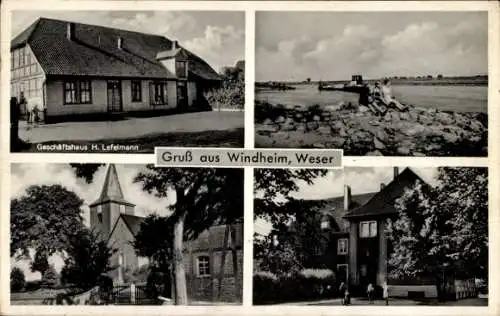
(85, 170)
(88, 258)
(276, 257)
(442, 231)
(204, 197)
(40, 263)
(273, 188)
(44, 219)
(50, 277)
(17, 279)
(232, 90)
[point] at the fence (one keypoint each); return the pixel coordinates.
(131, 295)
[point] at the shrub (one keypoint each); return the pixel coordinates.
(307, 284)
(17, 280)
(50, 277)
(316, 283)
(265, 287)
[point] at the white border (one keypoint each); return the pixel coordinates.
(492, 161)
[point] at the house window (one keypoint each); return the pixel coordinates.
(342, 244)
(368, 229)
(77, 92)
(203, 263)
(70, 92)
(181, 69)
(158, 93)
(85, 92)
(99, 213)
(136, 91)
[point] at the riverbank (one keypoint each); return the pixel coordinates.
(416, 132)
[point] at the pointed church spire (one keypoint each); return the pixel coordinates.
(111, 189)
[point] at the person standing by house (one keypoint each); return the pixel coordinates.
(370, 291)
(385, 294)
(14, 124)
(344, 294)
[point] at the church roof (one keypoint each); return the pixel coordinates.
(382, 203)
(133, 222)
(111, 189)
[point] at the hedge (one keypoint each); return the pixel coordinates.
(307, 284)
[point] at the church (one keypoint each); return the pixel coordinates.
(208, 260)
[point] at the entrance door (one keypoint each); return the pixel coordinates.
(114, 96)
(182, 95)
(342, 273)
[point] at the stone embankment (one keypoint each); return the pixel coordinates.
(357, 130)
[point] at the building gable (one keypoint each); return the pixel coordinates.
(382, 203)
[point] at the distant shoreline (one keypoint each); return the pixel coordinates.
(446, 81)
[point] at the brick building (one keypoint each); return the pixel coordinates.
(215, 257)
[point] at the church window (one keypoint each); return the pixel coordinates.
(368, 229)
(203, 263)
(99, 213)
(342, 246)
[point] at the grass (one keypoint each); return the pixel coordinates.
(234, 138)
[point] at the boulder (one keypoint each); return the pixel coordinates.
(268, 121)
(374, 153)
(378, 144)
(266, 129)
(404, 116)
(312, 126)
(403, 151)
(445, 118)
(363, 109)
(280, 119)
(425, 119)
(324, 129)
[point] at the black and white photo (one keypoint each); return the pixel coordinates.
(93, 234)
(363, 236)
(373, 83)
(126, 81)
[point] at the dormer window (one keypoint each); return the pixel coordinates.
(181, 68)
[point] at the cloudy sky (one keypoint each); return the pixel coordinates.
(216, 36)
(25, 175)
(336, 45)
(361, 180)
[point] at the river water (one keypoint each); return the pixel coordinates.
(446, 98)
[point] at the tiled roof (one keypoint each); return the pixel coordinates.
(133, 222)
(94, 51)
(334, 207)
(382, 203)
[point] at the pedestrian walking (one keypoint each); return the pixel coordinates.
(385, 288)
(370, 290)
(344, 294)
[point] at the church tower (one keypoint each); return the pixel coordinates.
(107, 208)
